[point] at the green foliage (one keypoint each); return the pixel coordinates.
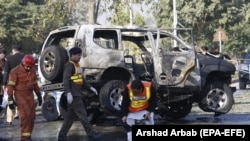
(205, 17)
(139, 20)
(28, 22)
(121, 15)
(14, 20)
(239, 30)
(122, 12)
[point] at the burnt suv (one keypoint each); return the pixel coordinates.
(113, 56)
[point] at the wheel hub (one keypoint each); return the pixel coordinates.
(216, 99)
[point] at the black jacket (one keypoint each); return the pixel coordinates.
(11, 62)
(69, 85)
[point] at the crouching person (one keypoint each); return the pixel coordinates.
(139, 103)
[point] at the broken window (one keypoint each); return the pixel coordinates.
(106, 39)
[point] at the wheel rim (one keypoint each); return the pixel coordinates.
(49, 62)
(50, 107)
(116, 98)
(216, 98)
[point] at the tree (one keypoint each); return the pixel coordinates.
(239, 31)
(123, 13)
(205, 17)
(28, 22)
(14, 22)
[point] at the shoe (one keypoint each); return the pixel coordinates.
(8, 123)
(96, 135)
(62, 139)
(16, 117)
(216, 115)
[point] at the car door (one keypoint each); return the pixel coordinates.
(174, 61)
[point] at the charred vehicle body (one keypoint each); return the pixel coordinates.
(113, 56)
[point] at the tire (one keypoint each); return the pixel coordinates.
(49, 110)
(111, 98)
(217, 97)
(180, 109)
(52, 61)
(242, 84)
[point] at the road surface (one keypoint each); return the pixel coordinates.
(48, 131)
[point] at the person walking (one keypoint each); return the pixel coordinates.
(12, 61)
(22, 82)
(74, 83)
(138, 103)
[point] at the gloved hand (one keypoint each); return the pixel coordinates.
(94, 90)
(39, 98)
(69, 98)
(11, 103)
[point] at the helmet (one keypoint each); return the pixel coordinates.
(28, 60)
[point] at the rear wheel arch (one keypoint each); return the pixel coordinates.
(216, 76)
(116, 73)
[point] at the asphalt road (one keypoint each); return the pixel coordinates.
(48, 130)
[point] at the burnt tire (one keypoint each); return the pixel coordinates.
(49, 110)
(110, 97)
(217, 97)
(52, 61)
(179, 109)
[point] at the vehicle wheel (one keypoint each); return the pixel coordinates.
(49, 110)
(179, 109)
(217, 97)
(242, 84)
(110, 97)
(52, 61)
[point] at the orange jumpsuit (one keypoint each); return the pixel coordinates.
(21, 84)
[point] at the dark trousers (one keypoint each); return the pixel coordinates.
(76, 108)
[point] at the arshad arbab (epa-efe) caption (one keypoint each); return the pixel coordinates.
(199, 132)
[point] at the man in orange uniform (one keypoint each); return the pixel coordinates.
(21, 84)
(138, 103)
